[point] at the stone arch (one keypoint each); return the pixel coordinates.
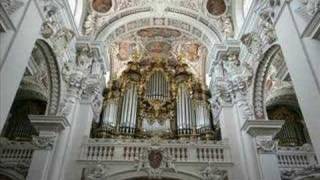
(112, 28)
(259, 104)
(284, 96)
(54, 78)
(170, 175)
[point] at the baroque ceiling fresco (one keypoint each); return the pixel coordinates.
(159, 36)
(158, 43)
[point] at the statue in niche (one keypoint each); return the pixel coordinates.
(227, 27)
(268, 31)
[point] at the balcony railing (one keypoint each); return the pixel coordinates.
(15, 151)
(296, 158)
(15, 155)
(180, 151)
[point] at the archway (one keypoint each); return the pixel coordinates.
(134, 175)
(38, 93)
(260, 80)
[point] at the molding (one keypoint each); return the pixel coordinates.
(262, 127)
(54, 77)
(5, 22)
(313, 28)
(49, 123)
(259, 81)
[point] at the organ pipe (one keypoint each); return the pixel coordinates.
(202, 116)
(129, 110)
(110, 113)
(157, 87)
(184, 111)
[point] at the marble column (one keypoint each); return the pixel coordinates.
(49, 128)
(302, 58)
(56, 170)
(80, 132)
(231, 131)
(262, 133)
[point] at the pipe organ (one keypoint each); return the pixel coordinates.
(155, 98)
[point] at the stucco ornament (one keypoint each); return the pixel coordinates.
(61, 40)
(311, 6)
(212, 173)
(305, 173)
(154, 161)
(21, 167)
(48, 28)
(253, 43)
(265, 145)
(43, 142)
(230, 83)
(76, 75)
(11, 6)
(239, 73)
(99, 172)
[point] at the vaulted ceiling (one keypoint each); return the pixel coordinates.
(167, 29)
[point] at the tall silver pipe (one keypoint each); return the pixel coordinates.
(124, 109)
(182, 108)
(135, 107)
(130, 108)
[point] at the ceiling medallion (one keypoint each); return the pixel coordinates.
(216, 7)
(102, 6)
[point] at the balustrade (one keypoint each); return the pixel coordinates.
(98, 149)
(14, 152)
(295, 158)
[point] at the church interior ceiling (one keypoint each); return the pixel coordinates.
(158, 43)
(158, 35)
